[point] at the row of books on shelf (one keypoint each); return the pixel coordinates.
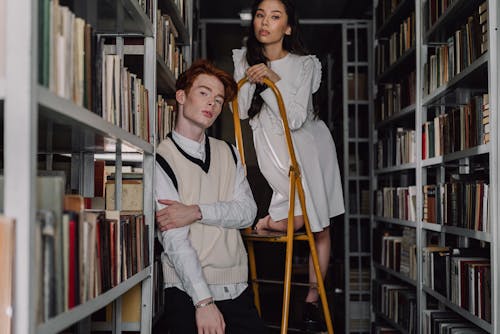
(166, 45)
(468, 277)
(457, 128)
(466, 45)
(397, 302)
(459, 203)
(166, 117)
(396, 147)
(461, 275)
(462, 204)
(384, 10)
(397, 251)
(396, 202)
(82, 252)
(74, 65)
(77, 64)
(387, 52)
(99, 250)
(442, 321)
(124, 98)
(67, 52)
(436, 8)
(393, 97)
(454, 129)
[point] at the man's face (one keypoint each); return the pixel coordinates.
(203, 104)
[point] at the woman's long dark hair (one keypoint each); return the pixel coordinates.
(255, 51)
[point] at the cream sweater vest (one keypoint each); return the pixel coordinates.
(220, 250)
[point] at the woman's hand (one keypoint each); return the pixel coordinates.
(257, 73)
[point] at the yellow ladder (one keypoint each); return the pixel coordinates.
(290, 236)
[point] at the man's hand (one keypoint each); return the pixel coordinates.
(176, 214)
(209, 320)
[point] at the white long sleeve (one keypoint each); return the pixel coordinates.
(296, 95)
(238, 213)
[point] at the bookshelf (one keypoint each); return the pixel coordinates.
(449, 183)
(46, 116)
(357, 110)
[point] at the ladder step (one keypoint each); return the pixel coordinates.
(270, 281)
(291, 329)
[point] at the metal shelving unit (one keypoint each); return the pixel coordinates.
(357, 111)
(481, 76)
(36, 121)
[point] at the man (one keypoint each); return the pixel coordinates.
(203, 199)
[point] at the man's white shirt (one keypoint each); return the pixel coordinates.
(238, 213)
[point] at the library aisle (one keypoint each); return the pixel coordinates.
(410, 92)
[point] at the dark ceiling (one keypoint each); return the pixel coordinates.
(307, 9)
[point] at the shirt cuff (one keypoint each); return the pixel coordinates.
(200, 292)
(207, 213)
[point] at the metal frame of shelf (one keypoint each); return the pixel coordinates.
(29, 107)
(473, 76)
(355, 178)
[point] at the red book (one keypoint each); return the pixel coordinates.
(73, 283)
(112, 250)
(423, 142)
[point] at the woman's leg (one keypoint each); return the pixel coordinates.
(267, 223)
(323, 244)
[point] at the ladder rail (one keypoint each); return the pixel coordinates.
(295, 187)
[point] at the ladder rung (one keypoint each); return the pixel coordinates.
(270, 281)
(291, 329)
(271, 236)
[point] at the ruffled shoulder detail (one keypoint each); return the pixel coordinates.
(312, 63)
(239, 59)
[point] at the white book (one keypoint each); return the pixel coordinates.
(2, 38)
(79, 61)
(108, 100)
(117, 65)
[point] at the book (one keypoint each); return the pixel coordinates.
(132, 195)
(7, 258)
(48, 306)
(50, 202)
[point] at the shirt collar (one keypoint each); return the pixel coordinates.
(191, 147)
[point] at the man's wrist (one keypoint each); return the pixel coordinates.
(204, 303)
(199, 216)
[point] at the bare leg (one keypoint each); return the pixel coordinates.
(323, 243)
(267, 223)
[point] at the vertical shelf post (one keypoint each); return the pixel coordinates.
(20, 138)
(494, 95)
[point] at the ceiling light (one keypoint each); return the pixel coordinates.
(245, 17)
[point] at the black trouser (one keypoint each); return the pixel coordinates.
(240, 314)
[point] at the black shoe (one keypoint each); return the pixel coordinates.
(313, 318)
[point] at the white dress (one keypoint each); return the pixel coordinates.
(313, 143)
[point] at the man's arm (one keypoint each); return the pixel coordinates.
(238, 213)
(177, 246)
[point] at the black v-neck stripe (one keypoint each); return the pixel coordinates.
(204, 165)
(167, 169)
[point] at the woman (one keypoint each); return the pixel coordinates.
(274, 51)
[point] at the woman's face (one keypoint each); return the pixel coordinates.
(270, 22)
